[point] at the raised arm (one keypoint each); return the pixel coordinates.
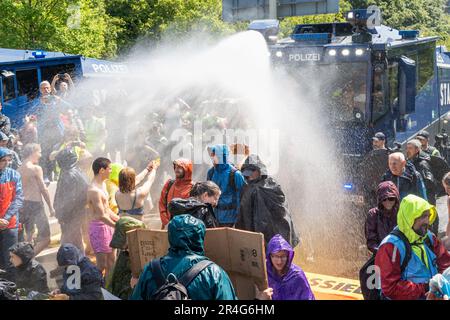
(53, 84)
(145, 189)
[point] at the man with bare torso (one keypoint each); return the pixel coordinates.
(34, 189)
(102, 218)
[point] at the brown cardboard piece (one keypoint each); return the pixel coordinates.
(240, 253)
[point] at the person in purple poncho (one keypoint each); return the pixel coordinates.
(287, 280)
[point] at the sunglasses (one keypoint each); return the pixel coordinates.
(390, 199)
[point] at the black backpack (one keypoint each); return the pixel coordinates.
(170, 288)
(364, 274)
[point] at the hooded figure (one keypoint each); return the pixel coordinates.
(380, 221)
(230, 182)
(91, 279)
(70, 198)
(263, 205)
(178, 188)
(186, 240)
(292, 285)
(428, 254)
(30, 275)
(197, 209)
(121, 275)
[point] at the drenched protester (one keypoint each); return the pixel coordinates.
(230, 182)
(91, 282)
(70, 198)
(49, 126)
(408, 279)
(112, 186)
(287, 280)
(11, 200)
(186, 240)
(382, 219)
(32, 213)
(423, 136)
(102, 218)
(405, 176)
(71, 140)
(121, 274)
(204, 196)
(379, 141)
(65, 87)
(446, 185)
(5, 123)
(180, 187)
(27, 274)
(15, 160)
(130, 198)
(28, 132)
(263, 206)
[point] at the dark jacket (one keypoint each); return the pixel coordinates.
(380, 222)
(30, 275)
(91, 278)
(71, 189)
(410, 182)
(186, 240)
(264, 207)
(422, 164)
(5, 124)
(202, 211)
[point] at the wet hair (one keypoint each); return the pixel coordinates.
(29, 149)
(100, 163)
(446, 179)
(200, 188)
(127, 180)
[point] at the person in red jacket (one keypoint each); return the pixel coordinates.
(178, 188)
(428, 255)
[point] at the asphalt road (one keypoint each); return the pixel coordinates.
(441, 206)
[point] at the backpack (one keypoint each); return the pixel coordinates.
(169, 185)
(232, 184)
(365, 274)
(170, 288)
(7, 290)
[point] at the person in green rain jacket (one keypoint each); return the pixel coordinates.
(186, 239)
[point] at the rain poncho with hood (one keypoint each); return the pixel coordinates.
(228, 206)
(293, 285)
(425, 262)
(91, 278)
(180, 189)
(263, 206)
(380, 222)
(192, 206)
(186, 240)
(121, 275)
(30, 275)
(71, 189)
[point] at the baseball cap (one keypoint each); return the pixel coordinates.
(379, 136)
(423, 134)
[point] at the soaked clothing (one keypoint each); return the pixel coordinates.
(380, 222)
(293, 285)
(197, 209)
(133, 211)
(33, 215)
(100, 235)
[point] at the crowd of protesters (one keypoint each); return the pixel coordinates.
(97, 201)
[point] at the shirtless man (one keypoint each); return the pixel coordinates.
(102, 218)
(34, 189)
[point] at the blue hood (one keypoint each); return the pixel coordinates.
(222, 152)
(5, 152)
(68, 255)
(186, 235)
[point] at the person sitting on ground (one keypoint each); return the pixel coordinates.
(409, 279)
(186, 241)
(28, 274)
(382, 219)
(130, 198)
(178, 188)
(263, 206)
(287, 280)
(405, 176)
(91, 280)
(121, 275)
(204, 196)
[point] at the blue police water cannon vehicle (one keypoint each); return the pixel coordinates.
(365, 77)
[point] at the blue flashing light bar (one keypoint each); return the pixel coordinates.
(38, 54)
(312, 37)
(348, 186)
(409, 34)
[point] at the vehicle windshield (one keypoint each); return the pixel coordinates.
(341, 89)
